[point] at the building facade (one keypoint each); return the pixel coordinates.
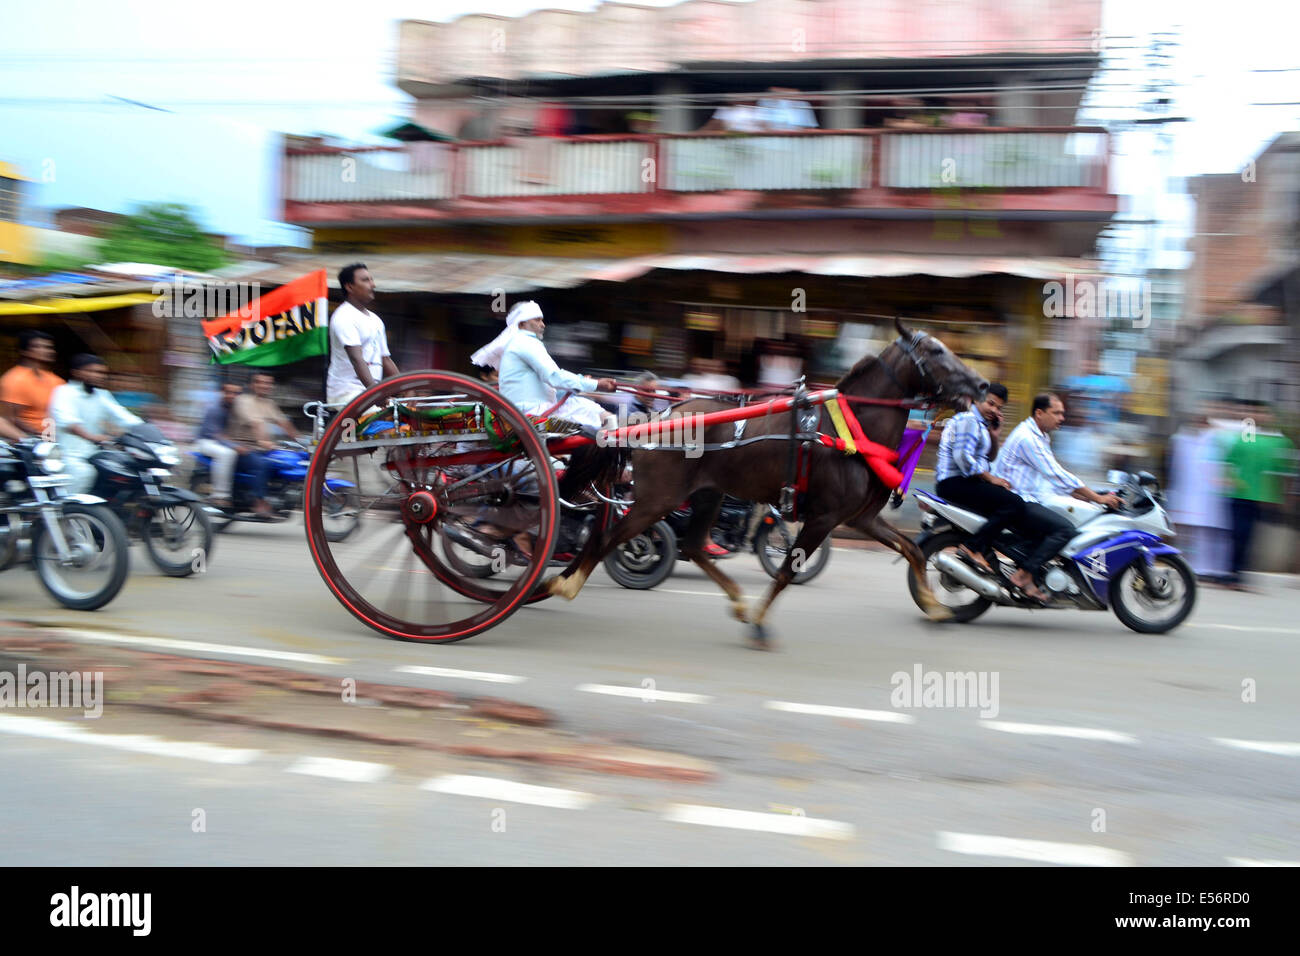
(572, 158)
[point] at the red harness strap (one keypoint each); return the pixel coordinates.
(879, 458)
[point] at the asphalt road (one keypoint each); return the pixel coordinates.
(1099, 745)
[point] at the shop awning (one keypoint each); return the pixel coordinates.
(469, 274)
(90, 303)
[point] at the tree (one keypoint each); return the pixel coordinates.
(164, 234)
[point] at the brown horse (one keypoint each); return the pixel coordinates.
(841, 488)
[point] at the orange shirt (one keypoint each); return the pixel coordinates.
(29, 390)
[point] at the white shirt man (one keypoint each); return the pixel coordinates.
(741, 118)
(359, 355)
(529, 377)
(782, 113)
(81, 409)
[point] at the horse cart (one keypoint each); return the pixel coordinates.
(472, 500)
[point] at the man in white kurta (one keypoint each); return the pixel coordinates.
(529, 377)
(81, 410)
(1196, 502)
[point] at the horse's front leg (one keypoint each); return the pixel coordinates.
(808, 540)
(884, 532)
(705, 506)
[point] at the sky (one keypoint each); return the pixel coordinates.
(232, 76)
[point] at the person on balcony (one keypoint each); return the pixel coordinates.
(781, 112)
(742, 117)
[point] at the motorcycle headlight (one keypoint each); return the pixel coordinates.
(167, 454)
(48, 456)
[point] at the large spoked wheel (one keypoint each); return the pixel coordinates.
(436, 459)
(964, 603)
(1160, 601)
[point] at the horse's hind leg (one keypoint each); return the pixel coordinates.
(808, 540)
(639, 517)
(887, 534)
(705, 506)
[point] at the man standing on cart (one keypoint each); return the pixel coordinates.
(529, 376)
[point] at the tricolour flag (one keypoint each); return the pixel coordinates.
(280, 327)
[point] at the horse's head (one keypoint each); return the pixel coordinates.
(935, 371)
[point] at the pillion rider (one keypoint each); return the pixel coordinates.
(529, 376)
(1027, 462)
(963, 475)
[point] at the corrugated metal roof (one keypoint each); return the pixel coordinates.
(471, 274)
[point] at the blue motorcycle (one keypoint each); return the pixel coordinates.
(1116, 560)
(286, 475)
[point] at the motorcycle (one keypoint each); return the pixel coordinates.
(635, 564)
(1117, 560)
(174, 524)
(286, 473)
(77, 546)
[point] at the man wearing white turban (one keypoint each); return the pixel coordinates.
(529, 377)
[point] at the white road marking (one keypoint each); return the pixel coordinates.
(1052, 730)
(494, 788)
(135, 743)
(853, 713)
(788, 823)
(1040, 851)
(645, 693)
(462, 675)
(1244, 861)
(166, 643)
(354, 771)
(1280, 747)
(1243, 627)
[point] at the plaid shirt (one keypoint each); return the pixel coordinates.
(1026, 460)
(963, 448)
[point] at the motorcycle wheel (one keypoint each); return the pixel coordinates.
(201, 485)
(1133, 605)
(340, 514)
(98, 539)
(179, 538)
(941, 585)
(11, 531)
(773, 541)
(646, 561)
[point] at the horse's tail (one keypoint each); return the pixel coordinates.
(591, 463)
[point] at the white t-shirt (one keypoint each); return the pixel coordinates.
(741, 119)
(352, 326)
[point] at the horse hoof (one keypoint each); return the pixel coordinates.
(758, 638)
(738, 612)
(556, 587)
(939, 613)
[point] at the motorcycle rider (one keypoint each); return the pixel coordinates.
(964, 476)
(213, 441)
(251, 416)
(1027, 462)
(80, 410)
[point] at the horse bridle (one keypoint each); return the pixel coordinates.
(911, 350)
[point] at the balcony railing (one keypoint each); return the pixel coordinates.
(994, 160)
(879, 161)
(715, 163)
(551, 166)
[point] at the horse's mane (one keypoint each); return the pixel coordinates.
(861, 368)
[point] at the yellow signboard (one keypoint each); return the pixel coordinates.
(1150, 395)
(580, 240)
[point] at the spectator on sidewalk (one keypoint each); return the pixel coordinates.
(1196, 503)
(1258, 462)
